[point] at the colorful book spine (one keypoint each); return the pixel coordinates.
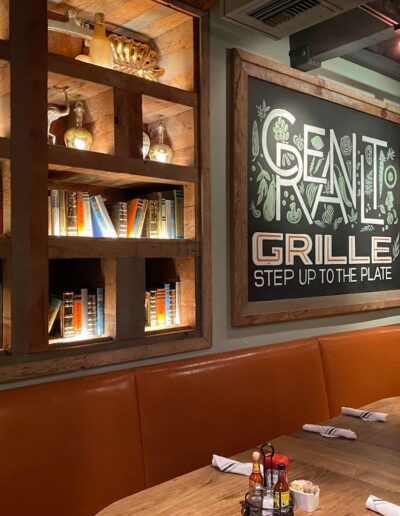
(55, 212)
(63, 212)
(163, 217)
(173, 305)
(102, 224)
(153, 219)
(80, 214)
(168, 313)
(153, 307)
(142, 218)
(100, 311)
(139, 217)
(54, 308)
(72, 223)
(87, 216)
(160, 306)
(84, 298)
(179, 214)
(67, 315)
(92, 315)
(178, 319)
(78, 314)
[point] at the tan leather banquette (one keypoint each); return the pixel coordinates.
(71, 447)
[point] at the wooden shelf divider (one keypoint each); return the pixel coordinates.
(118, 170)
(87, 247)
(5, 247)
(88, 72)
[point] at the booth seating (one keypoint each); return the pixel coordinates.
(72, 447)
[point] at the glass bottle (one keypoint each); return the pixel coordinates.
(160, 151)
(145, 145)
(78, 137)
(100, 52)
(281, 489)
(255, 496)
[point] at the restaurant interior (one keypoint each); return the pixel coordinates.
(204, 318)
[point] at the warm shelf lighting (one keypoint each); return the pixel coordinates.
(160, 151)
(78, 137)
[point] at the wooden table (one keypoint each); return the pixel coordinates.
(346, 471)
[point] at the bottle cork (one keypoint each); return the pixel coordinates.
(256, 456)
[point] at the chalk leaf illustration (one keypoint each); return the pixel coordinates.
(281, 130)
(381, 170)
(391, 153)
(390, 218)
(382, 209)
(298, 141)
(263, 173)
(343, 192)
(396, 247)
(287, 158)
(262, 191)
(389, 201)
(311, 190)
(337, 222)
(368, 227)
(320, 223)
(327, 216)
(327, 188)
(317, 142)
(319, 163)
(369, 185)
(256, 213)
(368, 154)
(294, 214)
(396, 219)
(262, 110)
(345, 145)
(255, 141)
(301, 188)
(269, 203)
(353, 216)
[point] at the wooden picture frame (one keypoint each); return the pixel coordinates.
(244, 312)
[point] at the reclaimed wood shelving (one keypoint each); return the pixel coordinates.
(119, 107)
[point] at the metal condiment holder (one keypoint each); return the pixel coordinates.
(248, 509)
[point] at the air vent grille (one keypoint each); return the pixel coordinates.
(277, 12)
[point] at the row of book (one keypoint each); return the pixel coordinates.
(163, 305)
(156, 215)
(79, 314)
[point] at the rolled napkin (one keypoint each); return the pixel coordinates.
(330, 431)
(366, 416)
(232, 466)
(381, 507)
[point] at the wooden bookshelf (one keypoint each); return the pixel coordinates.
(119, 107)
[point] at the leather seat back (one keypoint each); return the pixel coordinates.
(226, 403)
(361, 366)
(71, 447)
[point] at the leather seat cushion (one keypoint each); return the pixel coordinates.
(361, 366)
(226, 403)
(71, 447)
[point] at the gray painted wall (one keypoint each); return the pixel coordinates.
(225, 338)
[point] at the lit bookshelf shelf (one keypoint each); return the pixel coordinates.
(60, 342)
(84, 247)
(95, 167)
(167, 328)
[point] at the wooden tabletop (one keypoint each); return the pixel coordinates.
(346, 471)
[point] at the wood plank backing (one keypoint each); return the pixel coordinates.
(130, 297)
(29, 278)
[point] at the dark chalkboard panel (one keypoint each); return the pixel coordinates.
(315, 198)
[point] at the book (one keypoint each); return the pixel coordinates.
(63, 212)
(160, 305)
(72, 223)
(142, 218)
(92, 315)
(153, 307)
(87, 216)
(84, 300)
(168, 313)
(100, 311)
(163, 217)
(178, 303)
(102, 224)
(179, 214)
(55, 212)
(119, 217)
(172, 295)
(153, 219)
(54, 308)
(67, 315)
(80, 214)
(78, 314)
(49, 228)
(147, 308)
(132, 210)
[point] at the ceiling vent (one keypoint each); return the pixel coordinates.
(280, 18)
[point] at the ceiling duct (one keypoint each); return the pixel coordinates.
(280, 18)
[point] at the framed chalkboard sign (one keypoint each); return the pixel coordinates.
(315, 200)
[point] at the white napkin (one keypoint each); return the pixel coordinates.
(232, 466)
(381, 507)
(330, 431)
(362, 414)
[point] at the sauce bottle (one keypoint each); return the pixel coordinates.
(281, 489)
